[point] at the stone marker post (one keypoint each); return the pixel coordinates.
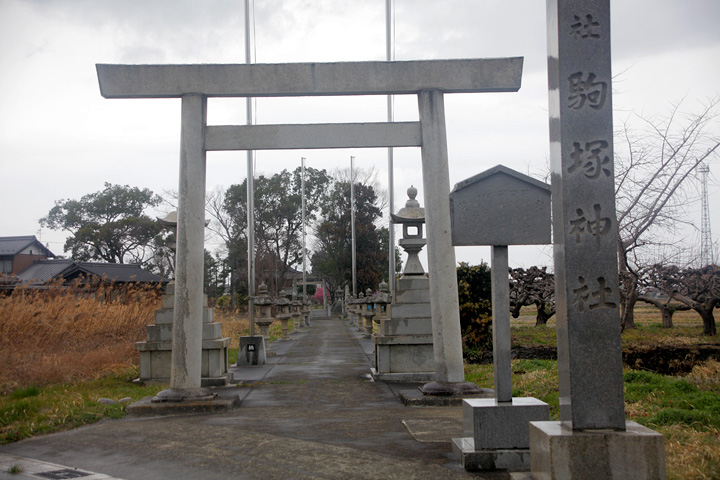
(585, 226)
(593, 440)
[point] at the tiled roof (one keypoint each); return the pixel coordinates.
(117, 272)
(15, 245)
(42, 271)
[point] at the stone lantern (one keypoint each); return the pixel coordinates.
(306, 307)
(339, 303)
(368, 312)
(263, 314)
(404, 348)
(297, 312)
(382, 300)
(350, 309)
(359, 306)
(412, 218)
(283, 314)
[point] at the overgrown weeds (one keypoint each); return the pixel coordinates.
(69, 333)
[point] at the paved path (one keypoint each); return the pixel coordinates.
(312, 412)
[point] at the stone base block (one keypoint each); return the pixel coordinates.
(415, 398)
(410, 377)
(406, 326)
(513, 460)
(251, 351)
(557, 452)
(502, 425)
(404, 354)
(155, 361)
(146, 407)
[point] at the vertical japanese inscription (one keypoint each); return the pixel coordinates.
(585, 225)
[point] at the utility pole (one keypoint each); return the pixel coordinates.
(250, 190)
(391, 180)
(302, 179)
(352, 226)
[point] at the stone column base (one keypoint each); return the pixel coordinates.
(510, 459)
(557, 452)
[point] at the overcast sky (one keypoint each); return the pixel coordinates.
(60, 139)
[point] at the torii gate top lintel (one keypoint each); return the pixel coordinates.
(311, 79)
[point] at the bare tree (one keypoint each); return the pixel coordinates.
(696, 288)
(533, 286)
(652, 193)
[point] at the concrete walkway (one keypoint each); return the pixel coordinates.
(312, 412)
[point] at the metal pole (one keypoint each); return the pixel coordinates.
(250, 191)
(304, 288)
(391, 180)
(352, 225)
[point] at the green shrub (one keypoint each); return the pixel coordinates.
(474, 290)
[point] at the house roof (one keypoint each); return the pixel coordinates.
(43, 271)
(115, 272)
(15, 245)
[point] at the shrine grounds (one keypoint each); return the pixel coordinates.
(61, 353)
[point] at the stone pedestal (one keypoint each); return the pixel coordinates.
(264, 328)
(404, 343)
(559, 452)
(251, 351)
(155, 353)
(497, 433)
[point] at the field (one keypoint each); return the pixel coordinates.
(61, 351)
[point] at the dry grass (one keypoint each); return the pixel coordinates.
(706, 376)
(67, 334)
(691, 454)
(234, 324)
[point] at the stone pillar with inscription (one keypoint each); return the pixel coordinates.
(592, 440)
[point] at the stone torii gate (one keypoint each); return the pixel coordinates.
(429, 80)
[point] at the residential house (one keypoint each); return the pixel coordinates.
(18, 253)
